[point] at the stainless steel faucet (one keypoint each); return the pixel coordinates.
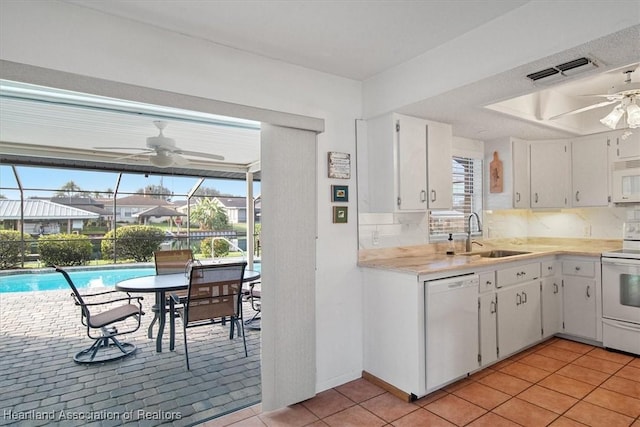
(468, 243)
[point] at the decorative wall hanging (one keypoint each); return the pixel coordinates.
(339, 165)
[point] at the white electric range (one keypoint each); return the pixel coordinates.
(621, 293)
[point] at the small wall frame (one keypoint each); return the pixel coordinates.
(339, 193)
(339, 165)
(340, 214)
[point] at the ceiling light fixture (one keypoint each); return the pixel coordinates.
(627, 106)
(162, 159)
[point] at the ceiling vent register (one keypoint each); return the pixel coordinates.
(563, 70)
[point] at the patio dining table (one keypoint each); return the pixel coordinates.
(160, 285)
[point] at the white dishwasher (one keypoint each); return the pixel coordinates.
(452, 328)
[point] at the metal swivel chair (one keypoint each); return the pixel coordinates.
(106, 346)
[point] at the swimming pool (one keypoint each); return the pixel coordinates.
(82, 279)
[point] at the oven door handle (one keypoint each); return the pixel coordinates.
(620, 262)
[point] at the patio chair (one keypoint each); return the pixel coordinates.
(106, 346)
(214, 293)
(170, 262)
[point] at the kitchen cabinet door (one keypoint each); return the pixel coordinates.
(590, 171)
(627, 148)
(551, 306)
(439, 173)
(487, 319)
(519, 323)
(579, 302)
(411, 135)
(520, 174)
(549, 166)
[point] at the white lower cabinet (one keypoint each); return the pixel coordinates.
(581, 293)
(487, 319)
(551, 306)
(579, 307)
(519, 323)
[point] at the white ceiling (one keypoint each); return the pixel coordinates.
(355, 39)
(350, 38)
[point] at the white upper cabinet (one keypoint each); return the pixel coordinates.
(514, 154)
(550, 173)
(409, 164)
(590, 171)
(521, 191)
(439, 173)
(626, 147)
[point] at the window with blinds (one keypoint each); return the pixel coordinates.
(467, 198)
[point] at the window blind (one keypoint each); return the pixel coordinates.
(467, 198)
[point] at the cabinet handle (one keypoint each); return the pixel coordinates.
(518, 299)
(555, 288)
(492, 307)
(577, 196)
(489, 283)
(536, 198)
(588, 293)
(524, 297)
(517, 197)
(577, 268)
(549, 268)
(423, 196)
(433, 195)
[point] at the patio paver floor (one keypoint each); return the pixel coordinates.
(41, 331)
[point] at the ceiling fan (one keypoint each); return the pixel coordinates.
(163, 151)
(626, 95)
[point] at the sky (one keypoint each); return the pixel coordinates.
(45, 182)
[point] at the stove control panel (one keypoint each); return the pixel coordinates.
(631, 231)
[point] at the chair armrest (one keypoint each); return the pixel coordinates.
(111, 301)
(101, 293)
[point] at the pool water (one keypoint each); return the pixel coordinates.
(82, 279)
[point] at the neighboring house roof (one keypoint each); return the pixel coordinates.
(232, 202)
(158, 211)
(42, 210)
(86, 203)
(137, 200)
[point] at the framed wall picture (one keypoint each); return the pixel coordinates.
(339, 165)
(339, 193)
(340, 214)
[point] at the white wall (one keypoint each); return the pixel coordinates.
(74, 39)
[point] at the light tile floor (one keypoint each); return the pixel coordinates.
(557, 383)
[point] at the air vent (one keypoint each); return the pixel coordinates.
(564, 70)
(542, 74)
(573, 64)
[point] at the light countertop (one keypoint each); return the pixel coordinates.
(428, 259)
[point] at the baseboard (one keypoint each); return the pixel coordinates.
(407, 397)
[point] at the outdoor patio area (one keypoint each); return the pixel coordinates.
(41, 331)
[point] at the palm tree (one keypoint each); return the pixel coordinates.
(210, 215)
(69, 189)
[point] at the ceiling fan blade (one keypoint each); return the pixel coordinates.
(130, 156)
(124, 148)
(583, 109)
(199, 154)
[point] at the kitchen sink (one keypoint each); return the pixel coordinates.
(497, 253)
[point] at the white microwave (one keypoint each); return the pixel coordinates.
(626, 181)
